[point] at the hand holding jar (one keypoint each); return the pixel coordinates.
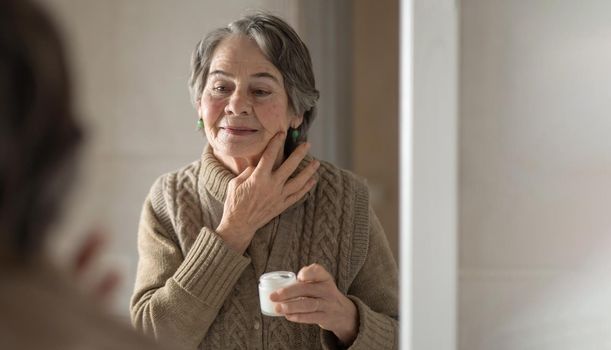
(315, 299)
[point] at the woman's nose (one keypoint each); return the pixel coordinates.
(239, 103)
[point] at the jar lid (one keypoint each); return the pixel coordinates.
(277, 279)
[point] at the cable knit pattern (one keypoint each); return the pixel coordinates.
(192, 291)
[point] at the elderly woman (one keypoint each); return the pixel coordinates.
(256, 202)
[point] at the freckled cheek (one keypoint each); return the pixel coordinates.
(274, 117)
(212, 110)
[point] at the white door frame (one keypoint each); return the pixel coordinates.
(428, 174)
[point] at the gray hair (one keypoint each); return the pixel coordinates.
(282, 47)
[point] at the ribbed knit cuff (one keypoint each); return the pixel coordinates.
(210, 269)
(329, 341)
(376, 331)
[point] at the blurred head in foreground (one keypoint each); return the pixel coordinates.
(38, 139)
(38, 131)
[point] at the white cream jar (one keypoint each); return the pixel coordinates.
(270, 282)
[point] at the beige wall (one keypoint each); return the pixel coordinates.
(375, 106)
(535, 175)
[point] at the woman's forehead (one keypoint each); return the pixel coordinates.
(238, 55)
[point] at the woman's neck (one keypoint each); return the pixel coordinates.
(238, 164)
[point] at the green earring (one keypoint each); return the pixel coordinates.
(295, 135)
(200, 124)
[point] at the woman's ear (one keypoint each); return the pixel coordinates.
(296, 121)
(200, 115)
(198, 107)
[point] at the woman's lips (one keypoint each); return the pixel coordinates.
(239, 131)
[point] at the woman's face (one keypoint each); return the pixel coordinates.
(244, 103)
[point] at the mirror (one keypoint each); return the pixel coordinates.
(131, 65)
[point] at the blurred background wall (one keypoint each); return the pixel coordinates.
(535, 175)
(130, 61)
(375, 106)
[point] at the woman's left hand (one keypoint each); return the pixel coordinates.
(315, 299)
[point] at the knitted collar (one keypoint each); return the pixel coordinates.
(215, 176)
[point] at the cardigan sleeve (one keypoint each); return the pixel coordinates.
(176, 298)
(374, 292)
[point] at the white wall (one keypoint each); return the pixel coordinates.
(535, 175)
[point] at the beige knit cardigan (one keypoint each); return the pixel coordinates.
(192, 291)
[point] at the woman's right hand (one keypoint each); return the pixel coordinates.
(83, 267)
(261, 193)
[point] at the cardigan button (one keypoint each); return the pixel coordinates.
(257, 324)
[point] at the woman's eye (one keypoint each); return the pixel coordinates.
(220, 88)
(261, 92)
